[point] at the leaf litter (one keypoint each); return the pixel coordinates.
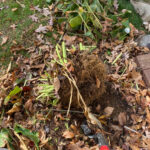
(121, 94)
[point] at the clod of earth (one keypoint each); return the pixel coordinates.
(90, 74)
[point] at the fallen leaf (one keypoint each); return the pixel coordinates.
(136, 76)
(116, 4)
(15, 48)
(13, 26)
(108, 111)
(29, 105)
(77, 146)
(93, 119)
(41, 29)
(33, 18)
(46, 12)
(14, 9)
(43, 139)
(147, 115)
(122, 118)
(69, 39)
(56, 84)
(4, 40)
(37, 8)
(68, 135)
(15, 108)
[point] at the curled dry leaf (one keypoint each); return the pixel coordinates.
(108, 111)
(43, 139)
(68, 135)
(29, 105)
(4, 40)
(94, 120)
(15, 108)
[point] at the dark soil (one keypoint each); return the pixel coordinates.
(113, 98)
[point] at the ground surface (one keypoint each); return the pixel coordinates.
(46, 61)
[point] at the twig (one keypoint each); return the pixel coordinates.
(71, 91)
(117, 58)
(132, 130)
(71, 111)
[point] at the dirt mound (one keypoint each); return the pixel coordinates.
(90, 74)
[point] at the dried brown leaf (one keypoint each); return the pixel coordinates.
(14, 9)
(68, 135)
(29, 106)
(56, 84)
(15, 108)
(108, 111)
(122, 118)
(4, 40)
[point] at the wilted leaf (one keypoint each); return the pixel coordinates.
(68, 135)
(15, 108)
(15, 91)
(4, 40)
(108, 110)
(22, 144)
(43, 139)
(93, 119)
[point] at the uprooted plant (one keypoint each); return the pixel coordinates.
(82, 82)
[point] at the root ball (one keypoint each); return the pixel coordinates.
(90, 74)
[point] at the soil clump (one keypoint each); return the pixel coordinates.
(90, 75)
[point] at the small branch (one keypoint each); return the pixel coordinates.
(117, 58)
(132, 130)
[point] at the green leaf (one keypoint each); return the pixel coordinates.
(15, 91)
(125, 23)
(4, 137)
(33, 136)
(75, 21)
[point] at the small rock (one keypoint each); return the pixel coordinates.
(144, 41)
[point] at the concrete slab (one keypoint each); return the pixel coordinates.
(143, 62)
